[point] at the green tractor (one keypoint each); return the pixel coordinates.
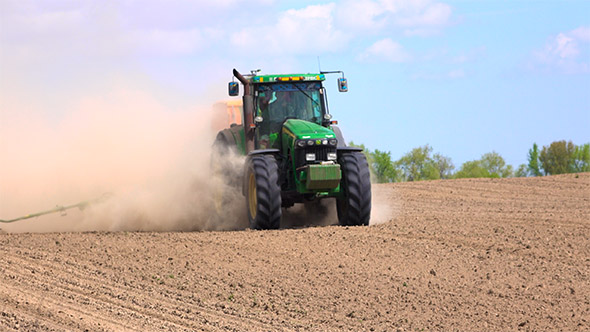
(294, 152)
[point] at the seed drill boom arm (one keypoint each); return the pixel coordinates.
(81, 206)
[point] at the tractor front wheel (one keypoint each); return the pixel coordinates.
(263, 194)
(354, 207)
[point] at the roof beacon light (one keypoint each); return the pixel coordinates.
(290, 78)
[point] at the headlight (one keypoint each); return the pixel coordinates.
(310, 156)
(301, 143)
(332, 156)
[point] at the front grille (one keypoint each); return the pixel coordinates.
(321, 154)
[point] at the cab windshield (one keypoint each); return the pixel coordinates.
(278, 102)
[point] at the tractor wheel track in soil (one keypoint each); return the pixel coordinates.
(78, 289)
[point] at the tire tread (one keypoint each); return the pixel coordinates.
(268, 192)
(355, 208)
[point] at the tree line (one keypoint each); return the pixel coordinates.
(422, 163)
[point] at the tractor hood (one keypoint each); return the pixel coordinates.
(301, 129)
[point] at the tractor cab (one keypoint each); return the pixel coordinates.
(286, 98)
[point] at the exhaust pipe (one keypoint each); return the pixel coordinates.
(248, 103)
(243, 80)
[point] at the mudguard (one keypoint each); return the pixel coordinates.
(226, 137)
(263, 151)
(339, 136)
(347, 149)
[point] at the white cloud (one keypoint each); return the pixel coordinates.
(296, 31)
(229, 3)
(424, 14)
(50, 33)
(582, 34)
(362, 14)
(564, 47)
(385, 49)
(568, 52)
(50, 21)
(414, 17)
(165, 42)
(39, 30)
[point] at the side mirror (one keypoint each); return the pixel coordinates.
(233, 88)
(342, 85)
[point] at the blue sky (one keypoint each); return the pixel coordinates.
(466, 77)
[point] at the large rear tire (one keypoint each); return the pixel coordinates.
(263, 193)
(354, 208)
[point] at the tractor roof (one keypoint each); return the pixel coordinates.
(287, 78)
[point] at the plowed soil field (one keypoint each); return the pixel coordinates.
(472, 254)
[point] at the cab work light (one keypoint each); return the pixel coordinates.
(290, 78)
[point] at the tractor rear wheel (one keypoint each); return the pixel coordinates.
(354, 208)
(263, 193)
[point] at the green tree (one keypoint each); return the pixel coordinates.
(495, 165)
(557, 158)
(490, 165)
(444, 165)
(533, 158)
(581, 159)
(418, 165)
(382, 167)
(472, 169)
(522, 171)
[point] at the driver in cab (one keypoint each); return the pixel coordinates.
(274, 109)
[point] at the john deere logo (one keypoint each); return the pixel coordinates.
(318, 142)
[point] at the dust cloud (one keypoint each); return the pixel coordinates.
(315, 213)
(153, 162)
(85, 110)
(385, 204)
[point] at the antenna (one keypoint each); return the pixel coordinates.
(319, 65)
